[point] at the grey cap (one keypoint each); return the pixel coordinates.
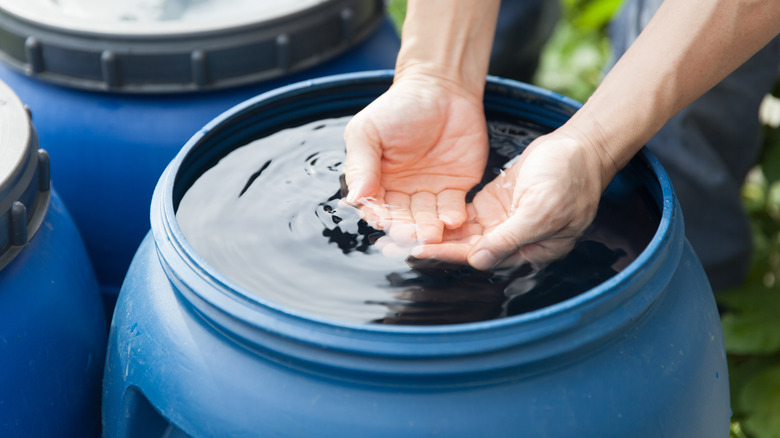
(24, 177)
(159, 46)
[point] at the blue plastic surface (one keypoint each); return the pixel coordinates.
(191, 354)
(52, 335)
(108, 150)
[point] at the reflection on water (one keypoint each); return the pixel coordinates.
(268, 218)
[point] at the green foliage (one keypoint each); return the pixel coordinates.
(751, 326)
(770, 162)
(590, 14)
(755, 382)
(572, 62)
(574, 58)
(396, 9)
(760, 398)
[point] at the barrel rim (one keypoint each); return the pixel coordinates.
(244, 315)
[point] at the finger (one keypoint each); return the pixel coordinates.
(374, 211)
(445, 252)
(401, 228)
(498, 247)
(362, 169)
(451, 205)
(372, 218)
(466, 232)
(391, 250)
(454, 248)
(426, 219)
(503, 241)
(490, 210)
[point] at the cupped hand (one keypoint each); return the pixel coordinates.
(533, 212)
(413, 154)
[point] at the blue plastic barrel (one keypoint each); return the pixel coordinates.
(52, 325)
(117, 88)
(193, 354)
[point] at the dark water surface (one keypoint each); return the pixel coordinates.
(267, 217)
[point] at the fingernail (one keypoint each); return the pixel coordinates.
(483, 260)
(416, 251)
(446, 220)
(352, 197)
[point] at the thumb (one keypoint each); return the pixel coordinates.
(362, 170)
(506, 245)
(494, 247)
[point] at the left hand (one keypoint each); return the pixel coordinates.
(413, 154)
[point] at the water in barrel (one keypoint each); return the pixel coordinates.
(268, 217)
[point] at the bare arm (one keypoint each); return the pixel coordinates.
(687, 48)
(449, 40)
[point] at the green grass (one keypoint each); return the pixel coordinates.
(571, 64)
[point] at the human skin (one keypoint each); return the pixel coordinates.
(550, 195)
(420, 147)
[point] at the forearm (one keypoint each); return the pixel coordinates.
(687, 48)
(449, 40)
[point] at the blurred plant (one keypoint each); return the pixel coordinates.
(751, 326)
(574, 58)
(397, 11)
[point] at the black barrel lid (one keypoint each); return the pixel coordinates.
(157, 46)
(24, 177)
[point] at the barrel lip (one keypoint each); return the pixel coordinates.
(567, 325)
(174, 58)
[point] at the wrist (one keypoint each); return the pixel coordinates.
(433, 77)
(597, 150)
(449, 40)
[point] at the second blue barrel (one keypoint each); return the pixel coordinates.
(199, 350)
(52, 325)
(116, 88)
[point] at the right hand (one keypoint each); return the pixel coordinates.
(534, 212)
